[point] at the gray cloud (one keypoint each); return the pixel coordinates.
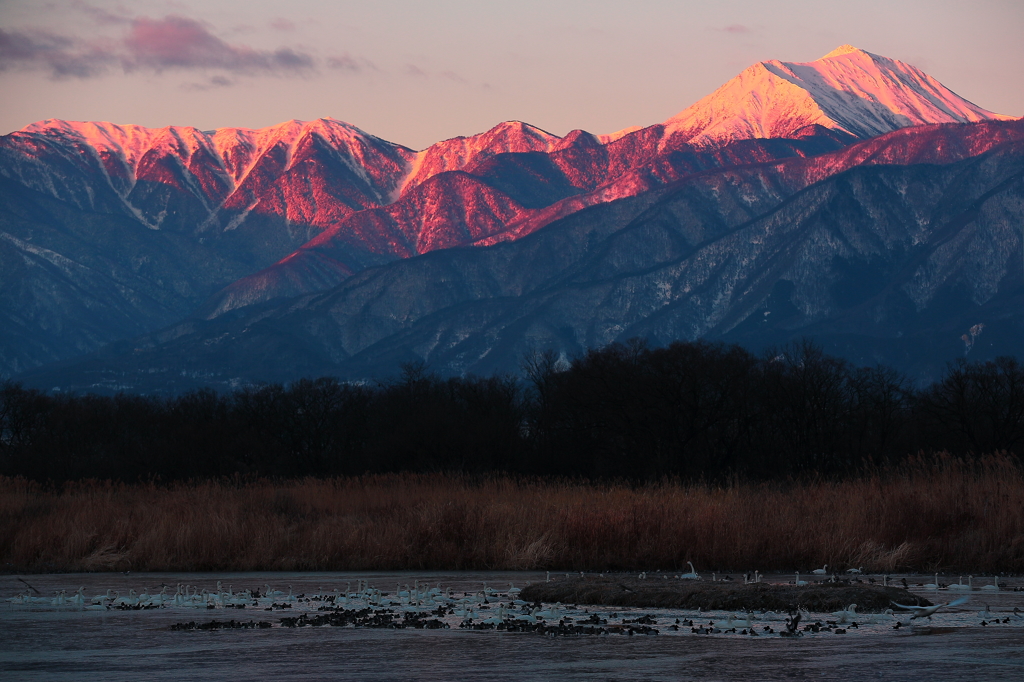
(736, 28)
(212, 83)
(176, 42)
(103, 16)
(157, 45)
(63, 57)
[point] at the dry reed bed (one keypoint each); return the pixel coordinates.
(945, 514)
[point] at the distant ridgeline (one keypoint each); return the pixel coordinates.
(852, 199)
(627, 411)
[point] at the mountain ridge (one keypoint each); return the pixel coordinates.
(237, 217)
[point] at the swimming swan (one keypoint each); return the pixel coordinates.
(960, 586)
(849, 613)
(692, 575)
(994, 586)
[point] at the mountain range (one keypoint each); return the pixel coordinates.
(852, 199)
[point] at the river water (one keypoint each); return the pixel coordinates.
(44, 641)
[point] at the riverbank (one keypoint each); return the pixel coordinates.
(942, 515)
(657, 591)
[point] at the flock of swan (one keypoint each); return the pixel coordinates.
(503, 608)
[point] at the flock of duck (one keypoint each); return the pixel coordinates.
(423, 606)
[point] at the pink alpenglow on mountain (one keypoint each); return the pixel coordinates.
(131, 228)
(848, 90)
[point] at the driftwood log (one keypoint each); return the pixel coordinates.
(822, 597)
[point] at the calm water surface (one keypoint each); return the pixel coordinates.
(45, 642)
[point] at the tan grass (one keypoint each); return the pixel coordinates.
(943, 514)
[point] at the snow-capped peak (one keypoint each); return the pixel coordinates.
(849, 90)
(841, 50)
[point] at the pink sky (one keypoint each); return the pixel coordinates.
(416, 72)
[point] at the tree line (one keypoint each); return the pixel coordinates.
(694, 410)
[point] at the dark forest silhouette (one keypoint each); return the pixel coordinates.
(627, 411)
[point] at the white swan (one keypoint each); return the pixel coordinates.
(934, 585)
(102, 597)
(527, 617)
(821, 571)
(878, 617)
(496, 619)
(692, 575)
(733, 622)
(552, 613)
(927, 611)
(960, 586)
(849, 613)
(855, 570)
(994, 586)
(800, 583)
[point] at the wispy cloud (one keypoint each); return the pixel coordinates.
(212, 83)
(414, 71)
(183, 43)
(282, 24)
(102, 16)
(156, 45)
(346, 62)
(736, 28)
(62, 56)
(452, 76)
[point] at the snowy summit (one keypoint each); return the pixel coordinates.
(848, 90)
